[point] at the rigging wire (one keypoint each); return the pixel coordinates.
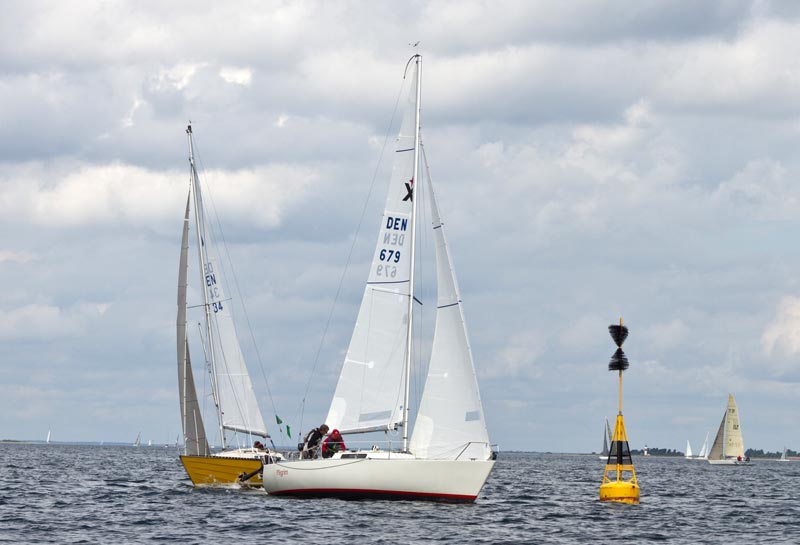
(301, 410)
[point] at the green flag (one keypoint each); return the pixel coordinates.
(278, 420)
(288, 431)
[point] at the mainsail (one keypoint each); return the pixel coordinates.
(734, 445)
(194, 434)
(369, 394)
(450, 423)
(728, 443)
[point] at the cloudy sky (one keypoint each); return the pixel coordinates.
(593, 160)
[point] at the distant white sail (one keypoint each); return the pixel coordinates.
(704, 449)
(688, 449)
(369, 394)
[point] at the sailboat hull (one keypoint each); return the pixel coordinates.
(379, 478)
(729, 462)
(221, 471)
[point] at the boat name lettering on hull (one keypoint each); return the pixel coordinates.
(281, 472)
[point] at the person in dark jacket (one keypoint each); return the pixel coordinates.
(312, 440)
(332, 444)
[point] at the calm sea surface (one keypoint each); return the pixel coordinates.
(102, 494)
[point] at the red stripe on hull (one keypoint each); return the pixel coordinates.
(357, 494)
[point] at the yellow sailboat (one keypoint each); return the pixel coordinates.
(234, 398)
(619, 478)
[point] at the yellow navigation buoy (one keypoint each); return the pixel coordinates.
(619, 466)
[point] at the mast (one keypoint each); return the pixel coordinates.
(414, 185)
(202, 256)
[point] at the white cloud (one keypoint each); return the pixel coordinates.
(239, 76)
(9, 256)
(781, 337)
(119, 194)
(43, 322)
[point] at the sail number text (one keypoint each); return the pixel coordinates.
(391, 237)
(213, 289)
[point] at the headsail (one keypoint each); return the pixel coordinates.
(237, 405)
(717, 451)
(369, 394)
(450, 423)
(194, 434)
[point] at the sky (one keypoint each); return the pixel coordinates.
(592, 159)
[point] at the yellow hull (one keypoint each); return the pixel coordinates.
(216, 471)
(620, 492)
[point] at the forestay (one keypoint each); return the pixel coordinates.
(369, 393)
(450, 423)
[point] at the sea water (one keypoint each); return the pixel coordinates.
(61, 493)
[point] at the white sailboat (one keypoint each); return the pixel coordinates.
(138, 439)
(783, 457)
(237, 409)
(48, 437)
(448, 457)
(606, 440)
(728, 446)
(688, 454)
(703, 454)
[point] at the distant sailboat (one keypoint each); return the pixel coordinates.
(703, 455)
(783, 457)
(48, 437)
(688, 454)
(728, 447)
(606, 441)
(138, 440)
(150, 443)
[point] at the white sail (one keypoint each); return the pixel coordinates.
(369, 394)
(48, 436)
(717, 451)
(688, 449)
(450, 423)
(238, 406)
(194, 433)
(704, 449)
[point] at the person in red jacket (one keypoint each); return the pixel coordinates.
(332, 444)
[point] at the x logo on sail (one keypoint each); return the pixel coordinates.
(409, 190)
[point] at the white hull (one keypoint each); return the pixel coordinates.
(729, 462)
(396, 476)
